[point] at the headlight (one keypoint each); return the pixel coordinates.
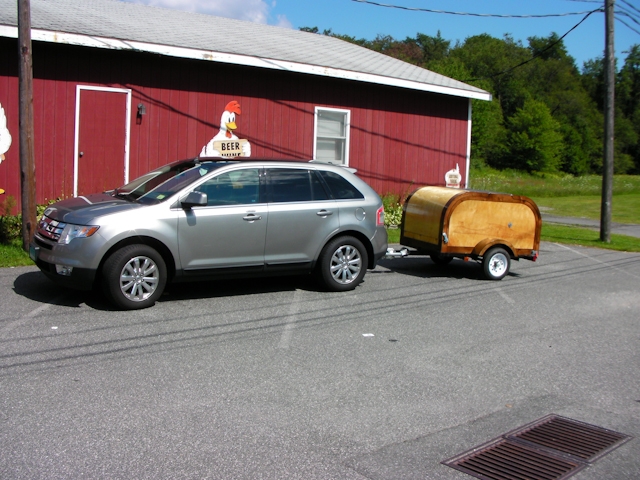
(76, 231)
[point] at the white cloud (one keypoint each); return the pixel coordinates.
(251, 10)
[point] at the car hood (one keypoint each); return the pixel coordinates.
(85, 209)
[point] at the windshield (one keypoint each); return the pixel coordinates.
(147, 182)
(177, 182)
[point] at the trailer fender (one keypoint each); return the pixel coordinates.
(482, 247)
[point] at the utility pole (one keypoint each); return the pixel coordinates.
(27, 163)
(609, 112)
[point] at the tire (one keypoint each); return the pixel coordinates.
(134, 277)
(496, 263)
(440, 260)
(342, 264)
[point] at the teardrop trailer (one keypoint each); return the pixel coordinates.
(491, 228)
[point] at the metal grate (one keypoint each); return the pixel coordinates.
(505, 460)
(581, 440)
(551, 448)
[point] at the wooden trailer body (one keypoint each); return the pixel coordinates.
(448, 222)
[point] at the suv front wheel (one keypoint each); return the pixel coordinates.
(134, 277)
(342, 264)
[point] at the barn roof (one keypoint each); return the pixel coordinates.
(115, 24)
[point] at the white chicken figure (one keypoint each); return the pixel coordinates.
(5, 138)
(227, 126)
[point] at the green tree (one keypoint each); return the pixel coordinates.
(555, 80)
(534, 140)
(434, 49)
(627, 134)
(492, 59)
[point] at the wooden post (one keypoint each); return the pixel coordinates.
(27, 163)
(607, 164)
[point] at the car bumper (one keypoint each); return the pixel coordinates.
(78, 278)
(379, 243)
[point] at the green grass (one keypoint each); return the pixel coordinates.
(537, 186)
(588, 238)
(394, 235)
(565, 195)
(568, 235)
(12, 255)
(625, 208)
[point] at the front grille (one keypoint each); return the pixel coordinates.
(50, 228)
(41, 243)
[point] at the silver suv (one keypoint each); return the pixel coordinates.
(201, 218)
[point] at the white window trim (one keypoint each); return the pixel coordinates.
(347, 129)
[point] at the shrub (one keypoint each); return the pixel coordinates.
(11, 225)
(392, 210)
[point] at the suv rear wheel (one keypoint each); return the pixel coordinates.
(342, 264)
(134, 277)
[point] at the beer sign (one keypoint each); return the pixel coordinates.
(230, 148)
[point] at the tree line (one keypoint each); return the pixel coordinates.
(546, 115)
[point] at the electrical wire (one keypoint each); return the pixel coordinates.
(428, 10)
(626, 24)
(629, 4)
(627, 13)
(549, 47)
(624, 14)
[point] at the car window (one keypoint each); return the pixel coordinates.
(295, 185)
(238, 187)
(177, 183)
(147, 182)
(340, 187)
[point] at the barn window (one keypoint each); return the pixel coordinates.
(331, 143)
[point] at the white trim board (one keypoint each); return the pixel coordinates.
(235, 59)
(76, 149)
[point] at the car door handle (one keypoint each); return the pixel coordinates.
(251, 217)
(324, 213)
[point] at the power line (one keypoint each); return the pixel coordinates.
(627, 25)
(624, 14)
(629, 4)
(627, 13)
(428, 10)
(549, 47)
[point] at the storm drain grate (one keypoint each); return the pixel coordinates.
(580, 440)
(551, 448)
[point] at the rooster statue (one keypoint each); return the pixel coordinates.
(227, 126)
(5, 138)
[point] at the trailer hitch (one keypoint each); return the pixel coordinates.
(393, 253)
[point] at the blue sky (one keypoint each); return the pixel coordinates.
(363, 20)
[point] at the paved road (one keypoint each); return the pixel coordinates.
(632, 230)
(276, 380)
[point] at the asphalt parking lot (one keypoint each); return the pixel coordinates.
(273, 379)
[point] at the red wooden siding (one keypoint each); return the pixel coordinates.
(400, 139)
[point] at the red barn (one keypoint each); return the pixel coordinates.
(121, 88)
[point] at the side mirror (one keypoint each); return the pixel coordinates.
(194, 199)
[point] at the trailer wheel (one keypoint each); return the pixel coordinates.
(342, 264)
(439, 259)
(496, 263)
